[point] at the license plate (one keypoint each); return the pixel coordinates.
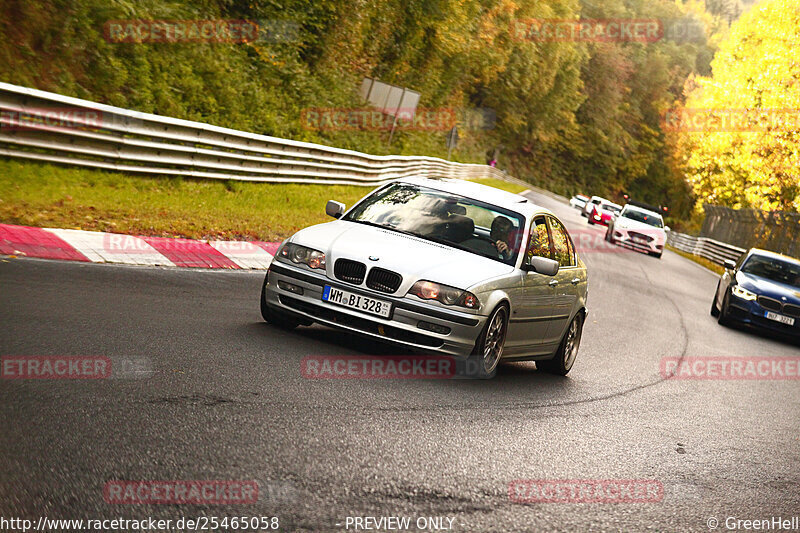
(357, 301)
(779, 318)
(639, 240)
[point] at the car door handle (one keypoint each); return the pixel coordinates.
(553, 282)
(576, 281)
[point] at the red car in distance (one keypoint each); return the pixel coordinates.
(602, 213)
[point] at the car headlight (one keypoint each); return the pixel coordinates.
(428, 290)
(304, 255)
(744, 294)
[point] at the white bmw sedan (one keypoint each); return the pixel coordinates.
(443, 266)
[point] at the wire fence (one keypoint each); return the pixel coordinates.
(777, 231)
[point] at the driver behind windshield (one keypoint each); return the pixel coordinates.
(501, 235)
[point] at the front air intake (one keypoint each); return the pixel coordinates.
(349, 271)
(383, 280)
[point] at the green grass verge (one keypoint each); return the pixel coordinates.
(699, 260)
(33, 194)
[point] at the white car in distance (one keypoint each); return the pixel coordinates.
(640, 229)
(578, 201)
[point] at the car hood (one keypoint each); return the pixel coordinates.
(412, 258)
(647, 229)
(766, 287)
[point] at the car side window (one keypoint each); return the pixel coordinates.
(539, 243)
(561, 244)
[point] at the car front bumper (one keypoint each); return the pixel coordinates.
(621, 236)
(749, 312)
(402, 327)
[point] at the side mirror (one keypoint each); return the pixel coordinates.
(729, 264)
(666, 228)
(334, 209)
(542, 265)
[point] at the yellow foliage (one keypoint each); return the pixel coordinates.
(755, 74)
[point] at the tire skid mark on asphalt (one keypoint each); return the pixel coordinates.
(660, 379)
(652, 383)
(527, 405)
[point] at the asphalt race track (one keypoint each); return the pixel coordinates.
(219, 396)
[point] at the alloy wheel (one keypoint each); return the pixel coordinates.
(495, 339)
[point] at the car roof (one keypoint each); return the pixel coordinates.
(483, 193)
(774, 255)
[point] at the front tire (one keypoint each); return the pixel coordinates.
(724, 314)
(489, 347)
(714, 308)
(567, 351)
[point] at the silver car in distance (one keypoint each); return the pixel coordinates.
(445, 266)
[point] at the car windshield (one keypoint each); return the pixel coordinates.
(611, 208)
(642, 216)
(444, 218)
(773, 269)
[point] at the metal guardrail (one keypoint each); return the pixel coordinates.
(111, 138)
(778, 231)
(715, 251)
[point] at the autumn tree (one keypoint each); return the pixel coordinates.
(747, 153)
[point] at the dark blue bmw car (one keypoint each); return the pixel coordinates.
(762, 289)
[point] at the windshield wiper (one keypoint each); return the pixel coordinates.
(374, 224)
(391, 228)
(445, 242)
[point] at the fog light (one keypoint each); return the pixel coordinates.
(436, 328)
(289, 287)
